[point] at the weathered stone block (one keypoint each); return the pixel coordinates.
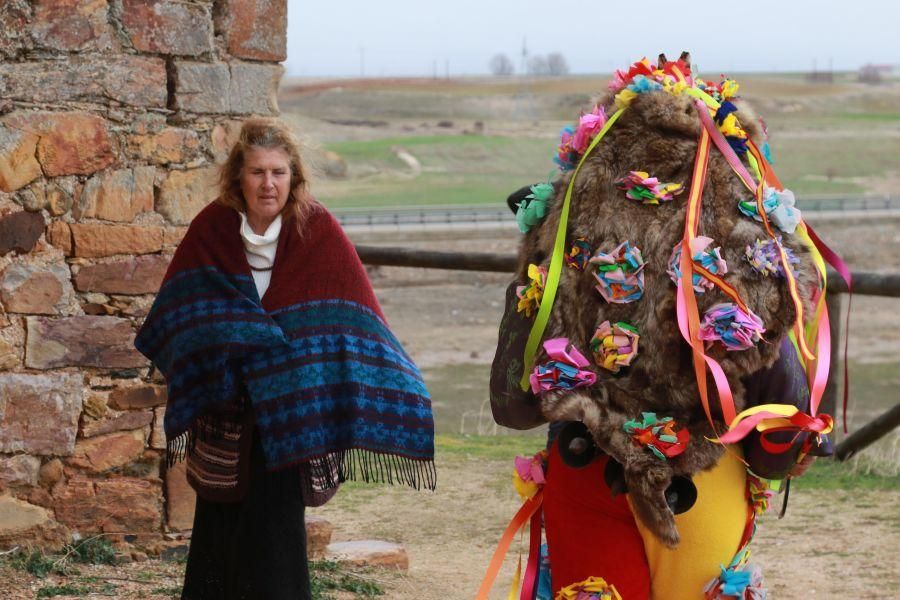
(71, 25)
(60, 235)
(50, 473)
(133, 80)
(9, 356)
(184, 194)
(23, 524)
(126, 421)
(254, 29)
(253, 88)
(105, 452)
(180, 498)
(92, 240)
(82, 341)
(142, 396)
(117, 195)
(202, 87)
(18, 165)
(171, 145)
(168, 27)
(318, 535)
(20, 231)
(71, 143)
(369, 553)
(20, 469)
(138, 275)
(14, 17)
(39, 413)
(223, 137)
(158, 433)
(35, 289)
(125, 505)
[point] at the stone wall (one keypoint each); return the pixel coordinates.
(113, 117)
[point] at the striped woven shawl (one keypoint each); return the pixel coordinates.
(328, 383)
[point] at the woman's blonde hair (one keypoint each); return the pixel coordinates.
(266, 133)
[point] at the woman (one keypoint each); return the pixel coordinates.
(283, 377)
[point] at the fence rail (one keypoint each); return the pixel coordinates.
(494, 213)
(863, 282)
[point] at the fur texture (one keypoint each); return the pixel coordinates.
(658, 133)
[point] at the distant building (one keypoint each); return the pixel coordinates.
(871, 73)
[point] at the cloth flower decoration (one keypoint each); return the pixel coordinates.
(530, 295)
(528, 475)
(736, 582)
(588, 127)
(760, 492)
(658, 435)
(566, 156)
(708, 258)
(579, 255)
(592, 588)
(565, 370)
(614, 346)
(638, 185)
(533, 208)
(620, 274)
(622, 78)
(764, 257)
(729, 324)
(780, 207)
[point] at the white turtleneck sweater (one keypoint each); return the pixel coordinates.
(260, 250)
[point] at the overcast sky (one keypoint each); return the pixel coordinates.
(347, 38)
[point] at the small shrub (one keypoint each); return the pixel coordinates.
(63, 590)
(326, 576)
(92, 551)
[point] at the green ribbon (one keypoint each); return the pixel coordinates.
(556, 262)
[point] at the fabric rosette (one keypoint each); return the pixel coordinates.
(615, 346)
(760, 492)
(592, 588)
(639, 186)
(740, 580)
(703, 255)
(566, 156)
(589, 126)
(620, 274)
(564, 371)
(530, 295)
(729, 324)
(764, 257)
(658, 435)
(528, 474)
(780, 207)
(579, 254)
(533, 208)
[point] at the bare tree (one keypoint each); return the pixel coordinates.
(501, 65)
(537, 66)
(557, 65)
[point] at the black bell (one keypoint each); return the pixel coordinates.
(576, 446)
(681, 494)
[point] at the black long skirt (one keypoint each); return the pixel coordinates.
(252, 549)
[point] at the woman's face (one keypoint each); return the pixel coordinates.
(265, 183)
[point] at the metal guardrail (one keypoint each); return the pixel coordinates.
(494, 213)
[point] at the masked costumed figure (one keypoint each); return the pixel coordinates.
(665, 320)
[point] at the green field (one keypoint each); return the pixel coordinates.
(840, 139)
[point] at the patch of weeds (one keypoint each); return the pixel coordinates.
(92, 551)
(171, 590)
(328, 576)
(37, 563)
(67, 589)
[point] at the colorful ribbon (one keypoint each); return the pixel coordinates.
(565, 371)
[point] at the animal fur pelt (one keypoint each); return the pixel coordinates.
(658, 134)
